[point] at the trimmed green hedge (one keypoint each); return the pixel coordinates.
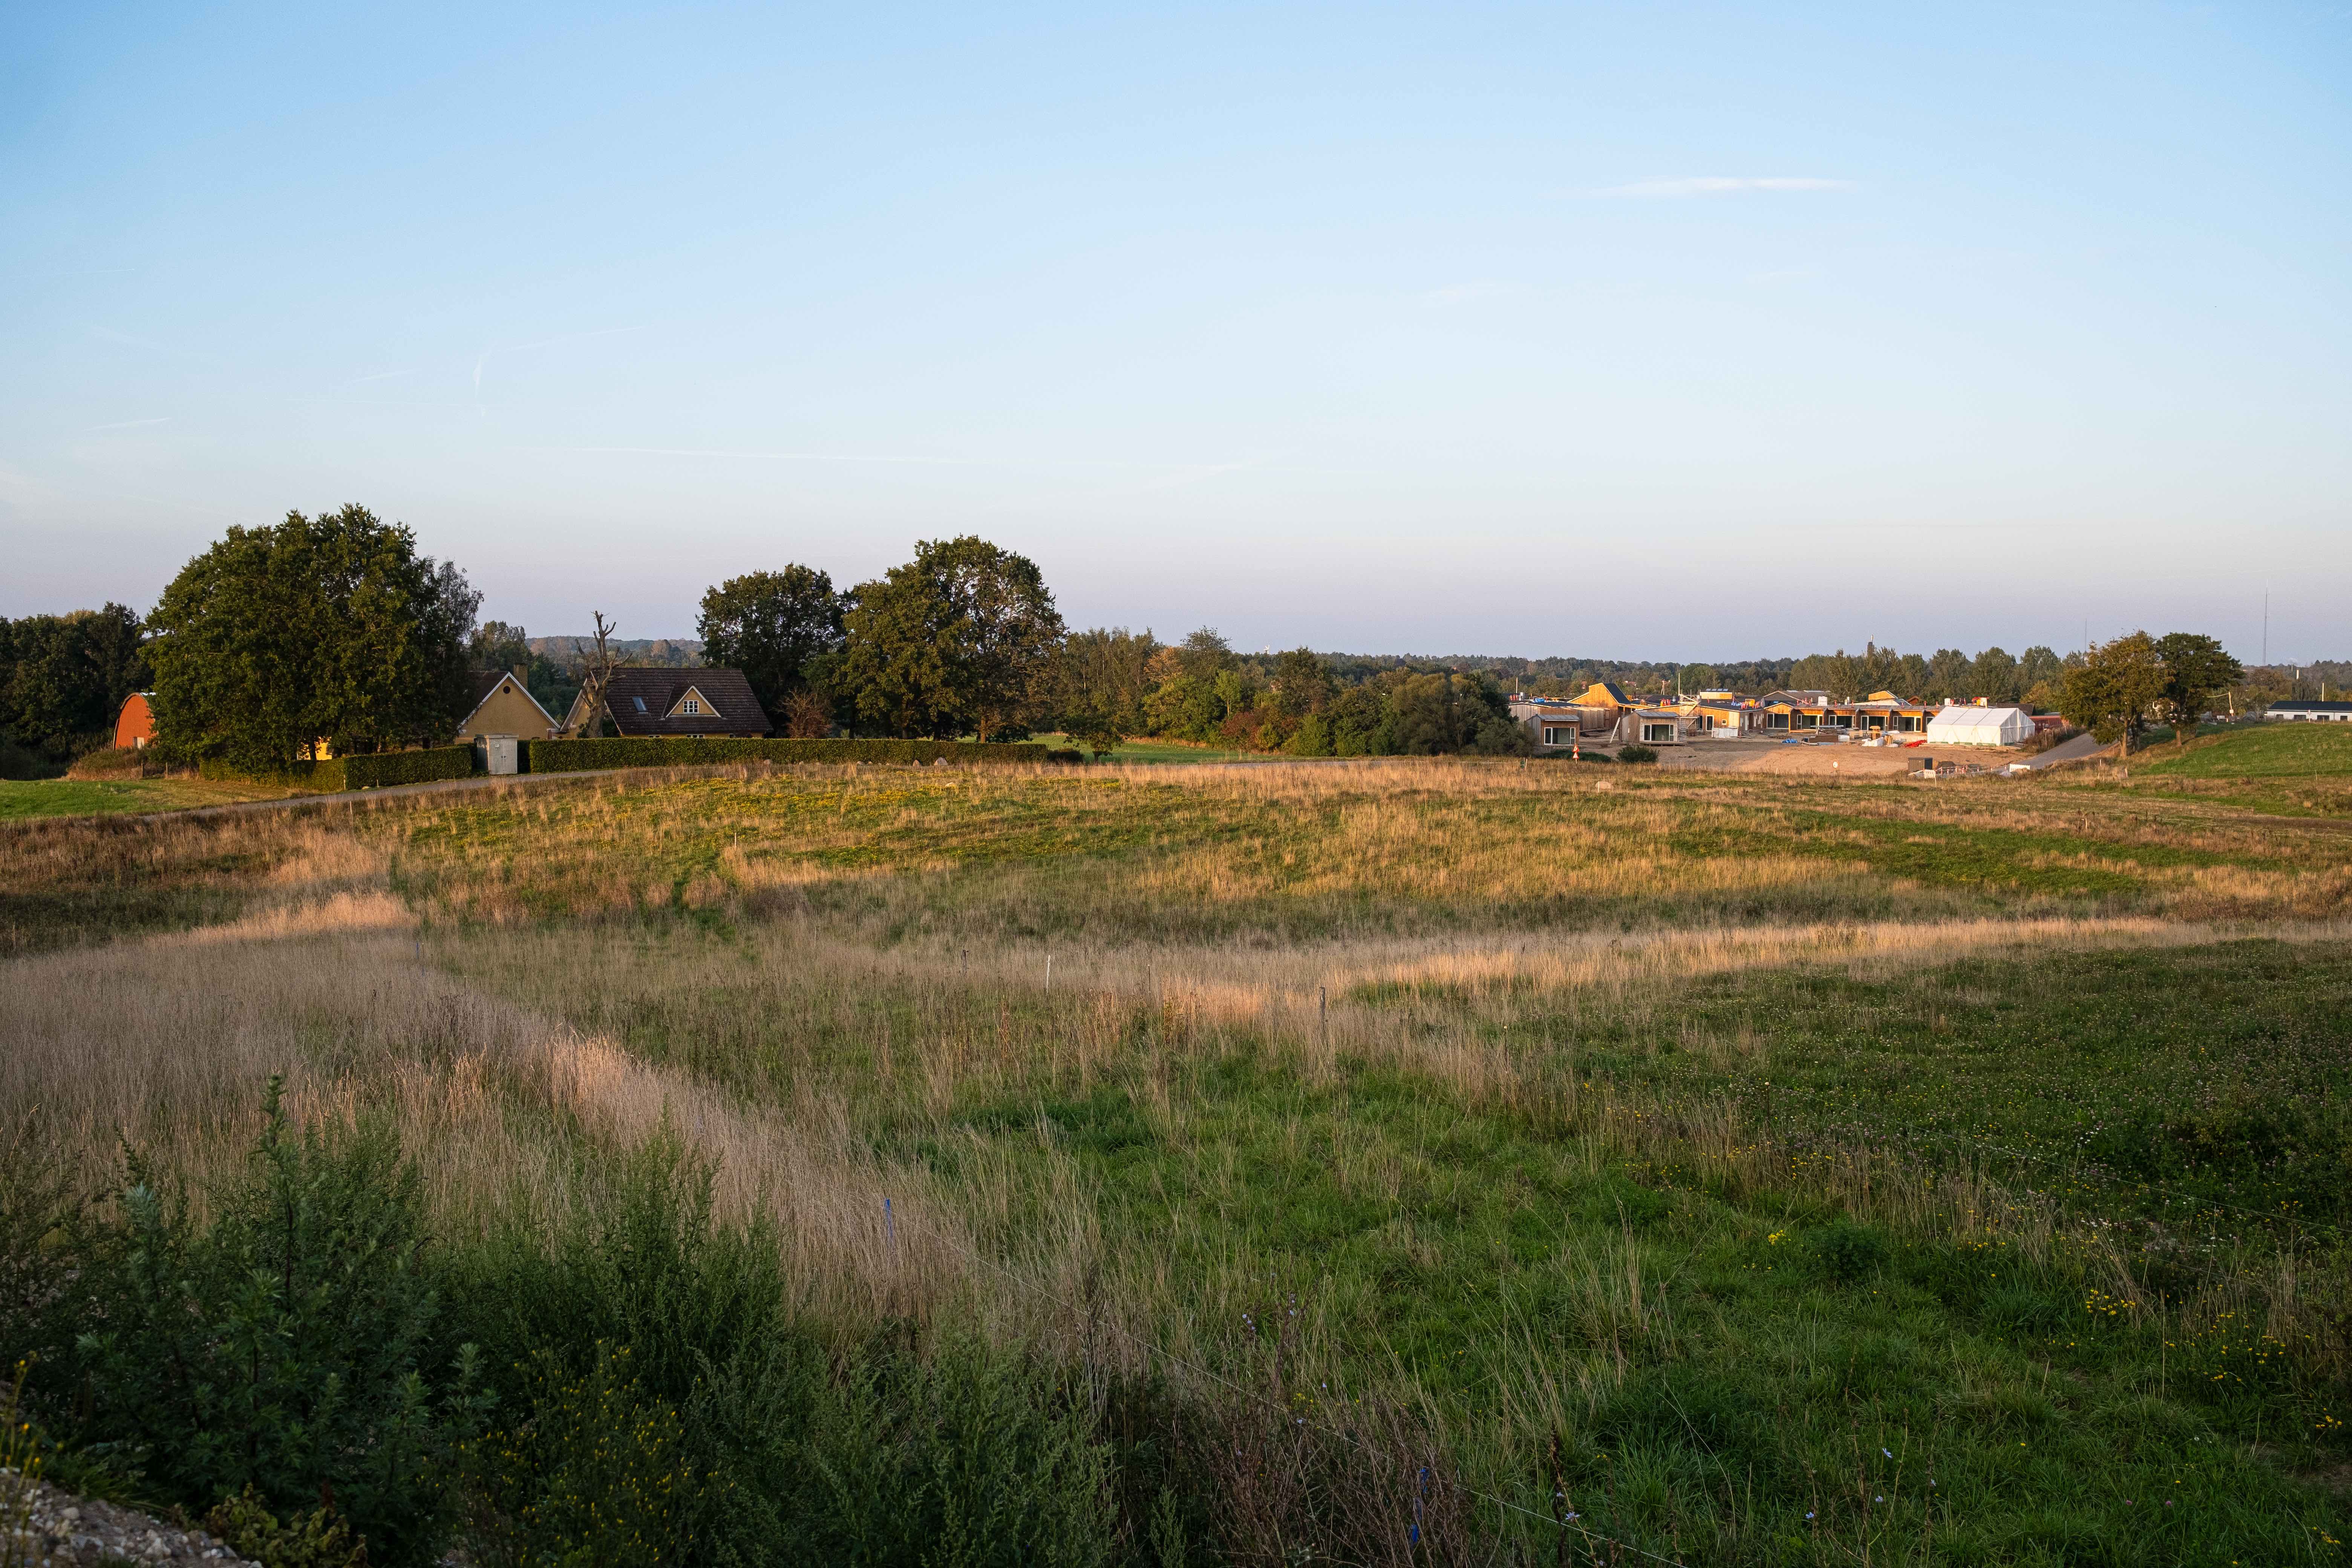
(339, 773)
(325, 777)
(408, 767)
(577, 756)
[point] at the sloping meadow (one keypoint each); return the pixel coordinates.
(1400, 1161)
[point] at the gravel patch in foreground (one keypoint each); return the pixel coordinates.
(63, 1529)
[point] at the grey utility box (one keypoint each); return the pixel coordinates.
(496, 753)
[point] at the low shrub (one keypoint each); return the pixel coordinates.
(2043, 739)
(595, 1469)
(24, 762)
(317, 1539)
(282, 1348)
(110, 763)
(581, 756)
(1636, 754)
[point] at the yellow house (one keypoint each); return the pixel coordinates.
(503, 705)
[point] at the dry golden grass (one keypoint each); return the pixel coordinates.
(841, 962)
(1300, 851)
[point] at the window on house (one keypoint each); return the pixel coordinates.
(691, 705)
(640, 702)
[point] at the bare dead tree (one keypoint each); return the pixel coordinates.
(600, 678)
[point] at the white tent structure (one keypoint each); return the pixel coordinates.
(1974, 726)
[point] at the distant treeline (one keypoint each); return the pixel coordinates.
(62, 681)
(334, 629)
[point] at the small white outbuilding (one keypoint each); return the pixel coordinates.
(1970, 725)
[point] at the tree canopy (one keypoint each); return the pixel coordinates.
(2120, 687)
(2197, 670)
(965, 636)
(773, 626)
(328, 629)
(63, 678)
(2115, 688)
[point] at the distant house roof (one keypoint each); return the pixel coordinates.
(485, 686)
(654, 702)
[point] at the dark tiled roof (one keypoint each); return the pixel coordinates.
(641, 700)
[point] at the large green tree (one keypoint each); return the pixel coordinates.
(1992, 675)
(963, 638)
(772, 626)
(2197, 670)
(1104, 676)
(1949, 675)
(1448, 713)
(63, 677)
(2116, 690)
(316, 628)
(1302, 683)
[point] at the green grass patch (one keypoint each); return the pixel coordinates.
(107, 797)
(2270, 748)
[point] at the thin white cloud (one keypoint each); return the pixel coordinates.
(1724, 184)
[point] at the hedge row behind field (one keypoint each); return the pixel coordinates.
(372, 772)
(325, 777)
(408, 767)
(577, 756)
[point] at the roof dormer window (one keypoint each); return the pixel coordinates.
(691, 705)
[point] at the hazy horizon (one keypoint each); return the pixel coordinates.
(1688, 328)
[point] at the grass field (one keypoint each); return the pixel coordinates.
(2282, 749)
(1405, 1161)
(98, 797)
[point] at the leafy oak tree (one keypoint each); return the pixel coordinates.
(2115, 688)
(773, 626)
(328, 629)
(2197, 670)
(963, 638)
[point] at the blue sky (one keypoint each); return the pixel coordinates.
(1640, 331)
